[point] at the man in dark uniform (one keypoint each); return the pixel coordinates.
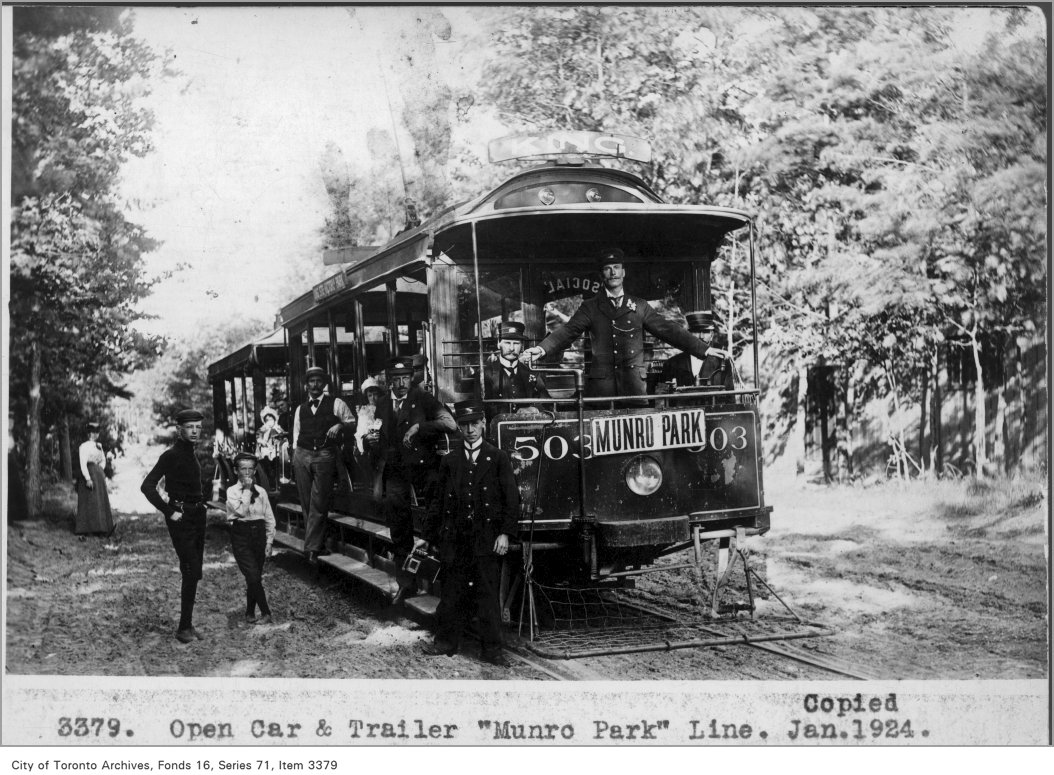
(471, 521)
(411, 421)
(184, 512)
(506, 377)
(317, 426)
(616, 323)
(685, 370)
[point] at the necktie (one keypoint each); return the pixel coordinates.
(398, 405)
(471, 454)
(314, 403)
(616, 301)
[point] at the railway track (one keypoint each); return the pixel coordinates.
(362, 560)
(825, 662)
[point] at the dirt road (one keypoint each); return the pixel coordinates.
(925, 580)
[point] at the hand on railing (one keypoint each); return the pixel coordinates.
(531, 354)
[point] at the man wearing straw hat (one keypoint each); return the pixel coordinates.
(317, 427)
(471, 521)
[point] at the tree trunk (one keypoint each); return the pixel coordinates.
(841, 423)
(855, 377)
(825, 438)
(65, 449)
(799, 422)
(937, 413)
(33, 442)
(979, 419)
(924, 453)
(999, 456)
(1020, 439)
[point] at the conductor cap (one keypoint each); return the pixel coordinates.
(189, 415)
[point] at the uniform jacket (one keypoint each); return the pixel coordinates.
(179, 467)
(524, 382)
(419, 408)
(495, 501)
(714, 371)
(617, 336)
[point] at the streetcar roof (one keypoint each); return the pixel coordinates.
(570, 232)
(511, 223)
(267, 352)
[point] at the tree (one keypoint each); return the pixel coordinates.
(76, 262)
(895, 201)
(180, 377)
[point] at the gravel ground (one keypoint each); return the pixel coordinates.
(923, 580)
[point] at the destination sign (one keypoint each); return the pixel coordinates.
(568, 143)
(329, 286)
(636, 433)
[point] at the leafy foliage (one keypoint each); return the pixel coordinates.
(76, 262)
(899, 204)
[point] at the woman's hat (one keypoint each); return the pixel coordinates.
(268, 412)
(371, 384)
(93, 426)
(468, 411)
(700, 322)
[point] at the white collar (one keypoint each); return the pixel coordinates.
(474, 447)
(511, 365)
(611, 295)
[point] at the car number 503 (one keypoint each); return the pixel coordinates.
(526, 448)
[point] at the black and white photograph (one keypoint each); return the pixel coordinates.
(499, 375)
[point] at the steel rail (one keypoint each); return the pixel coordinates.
(830, 664)
(776, 646)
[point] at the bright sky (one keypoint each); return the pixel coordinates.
(233, 189)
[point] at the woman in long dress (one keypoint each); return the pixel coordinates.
(94, 515)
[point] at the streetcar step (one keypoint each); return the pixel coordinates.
(374, 577)
(289, 542)
(290, 506)
(424, 605)
(363, 525)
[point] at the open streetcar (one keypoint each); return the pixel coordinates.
(608, 486)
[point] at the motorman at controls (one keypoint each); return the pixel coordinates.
(616, 323)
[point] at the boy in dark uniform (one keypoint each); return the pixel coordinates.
(184, 512)
(471, 521)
